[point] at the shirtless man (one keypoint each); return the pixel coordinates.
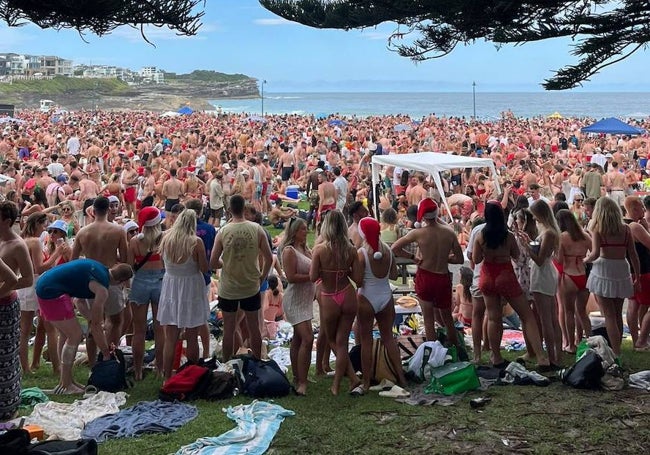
(130, 183)
(617, 184)
(88, 189)
(148, 187)
(438, 247)
(172, 190)
(104, 242)
(287, 164)
(14, 262)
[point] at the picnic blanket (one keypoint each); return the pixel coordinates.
(66, 421)
(145, 417)
(257, 424)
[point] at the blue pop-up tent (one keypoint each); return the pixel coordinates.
(186, 110)
(612, 125)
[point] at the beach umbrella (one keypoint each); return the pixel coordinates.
(555, 114)
(336, 122)
(255, 118)
(402, 127)
(185, 110)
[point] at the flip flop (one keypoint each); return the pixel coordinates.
(385, 384)
(330, 374)
(60, 390)
(395, 392)
(357, 391)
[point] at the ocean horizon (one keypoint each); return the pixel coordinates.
(486, 105)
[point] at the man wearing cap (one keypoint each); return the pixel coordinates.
(104, 242)
(439, 247)
(55, 192)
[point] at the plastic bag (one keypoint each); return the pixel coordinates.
(453, 379)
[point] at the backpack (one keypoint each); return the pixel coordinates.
(222, 385)
(585, 373)
(264, 378)
(109, 375)
(188, 383)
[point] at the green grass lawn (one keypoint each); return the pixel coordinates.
(519, 419)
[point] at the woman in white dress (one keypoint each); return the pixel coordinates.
(298, 302)
(183, 300)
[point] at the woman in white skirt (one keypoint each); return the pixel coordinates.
(183, 300)
(610, 278)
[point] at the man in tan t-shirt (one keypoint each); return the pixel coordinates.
(237, 251)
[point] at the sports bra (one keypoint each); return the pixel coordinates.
(153, 257)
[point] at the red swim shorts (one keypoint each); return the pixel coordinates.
(433, 287)
(129, 195)
(58, 309)
(642, 294)
(498, 279)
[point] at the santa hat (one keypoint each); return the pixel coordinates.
(148, 216)
(369, 231)
(428, 210)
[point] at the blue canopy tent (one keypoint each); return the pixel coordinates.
(185, 110)
(612, 125)
(337, 122)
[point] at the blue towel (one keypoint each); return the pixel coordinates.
(145, 417)
(257, 424)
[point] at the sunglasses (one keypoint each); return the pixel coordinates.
(132, 232)
(578, 200)
(54, 231)
(66, 209)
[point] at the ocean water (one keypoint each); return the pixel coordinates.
(417, 105)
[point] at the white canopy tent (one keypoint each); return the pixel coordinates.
(432, 163)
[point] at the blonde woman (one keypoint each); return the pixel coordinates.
(183, 300)
(298, 301)
(66, 208)
(149, 271)
(544, 278)
(334, 261)
(610, 279)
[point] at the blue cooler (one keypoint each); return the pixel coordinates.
(292, 191)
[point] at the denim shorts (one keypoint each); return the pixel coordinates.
(146, 286)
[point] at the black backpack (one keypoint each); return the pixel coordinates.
(109, 375)
(16, 442)
(264, 379)
(586, 373)
(404, 178)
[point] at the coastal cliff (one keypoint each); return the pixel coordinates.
(111, 94)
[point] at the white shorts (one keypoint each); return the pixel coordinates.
(27, 298)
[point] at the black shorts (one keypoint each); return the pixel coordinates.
(216, 213)
(253, 303)
(169, 203)
(286, 173)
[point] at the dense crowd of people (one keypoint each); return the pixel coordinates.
(116, 214)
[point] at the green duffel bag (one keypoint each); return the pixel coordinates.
(453, 378)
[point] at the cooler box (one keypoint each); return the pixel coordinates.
(292, 191)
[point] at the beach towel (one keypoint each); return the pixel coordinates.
(145, 417)
(66, 421)
(257, 424)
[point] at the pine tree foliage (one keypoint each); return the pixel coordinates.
(603, 32)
